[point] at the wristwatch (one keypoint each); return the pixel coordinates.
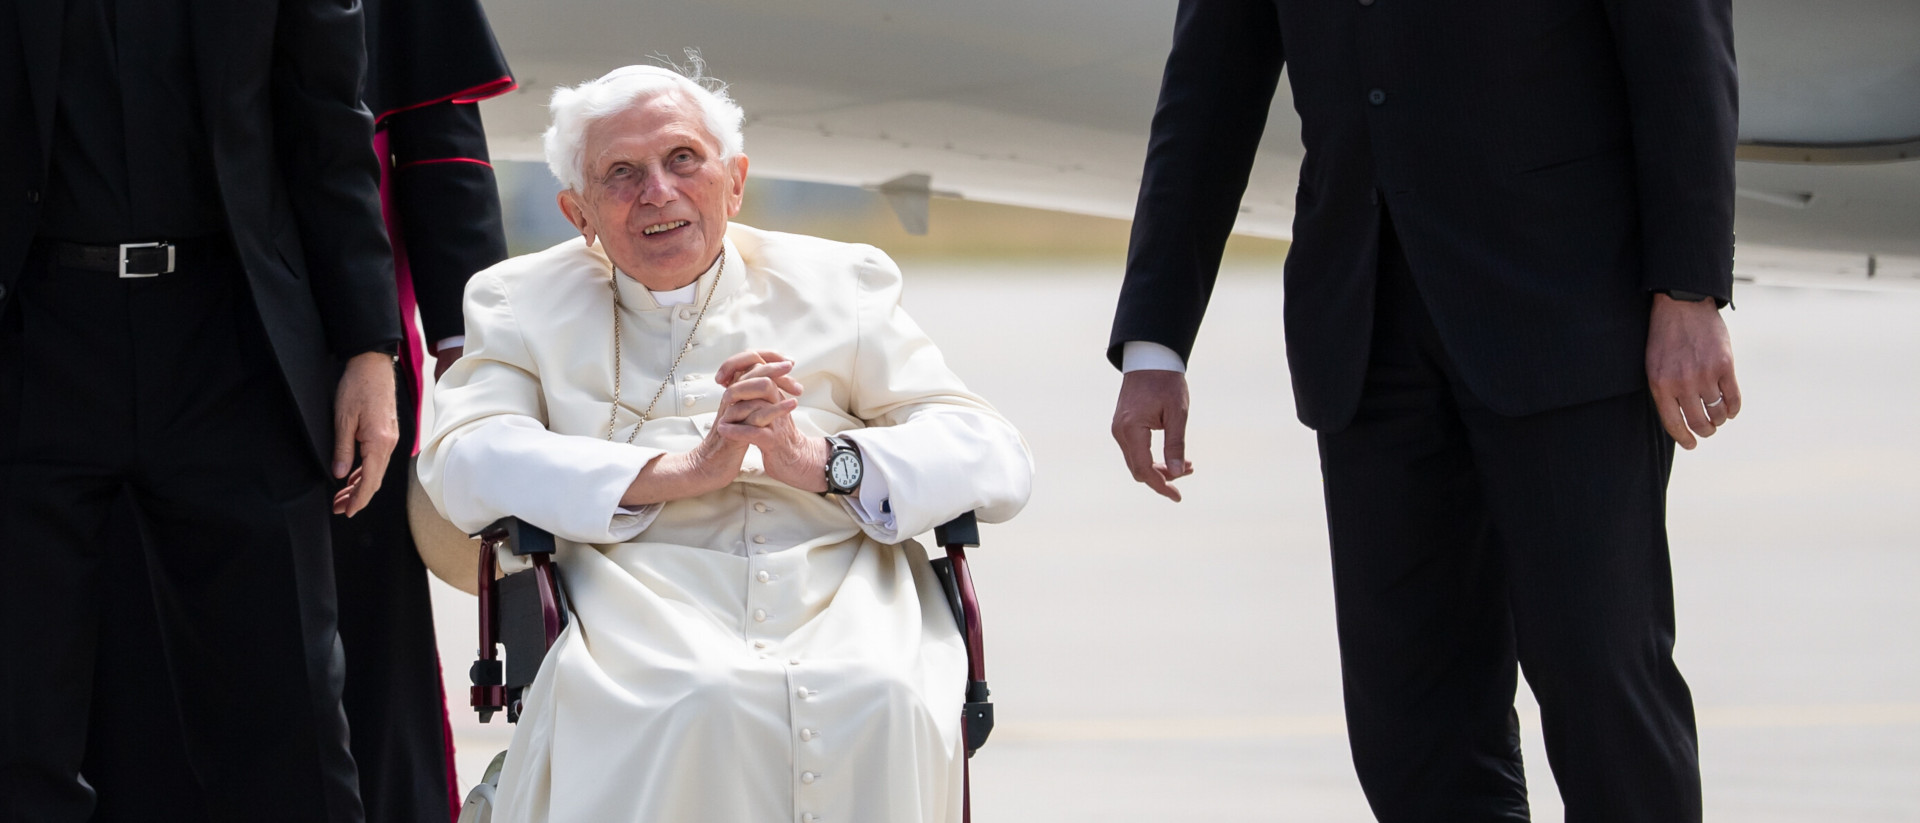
(843, 467)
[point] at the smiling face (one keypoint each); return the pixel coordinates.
(658, 195)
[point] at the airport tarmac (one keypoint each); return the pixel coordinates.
(1154, 661)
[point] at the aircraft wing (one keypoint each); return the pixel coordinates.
(1046, 103)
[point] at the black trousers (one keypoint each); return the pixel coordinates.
(164, 390)
(1464, 542)
(392, 692)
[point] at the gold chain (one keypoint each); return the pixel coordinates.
(614, 416)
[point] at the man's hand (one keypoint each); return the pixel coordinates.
(443, 360)
(363, 420)
(1690, 368)
(758, 409)
(1152, 400)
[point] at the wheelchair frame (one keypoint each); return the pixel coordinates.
(524, 613)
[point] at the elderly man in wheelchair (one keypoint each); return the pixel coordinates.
(732, 433)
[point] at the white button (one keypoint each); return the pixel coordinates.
(760, 507)
(806, 734)
(686, 313)
(807, 777)
(763, 576)
(759, 538)
(760, 615)
(692, 399)
(759, 644)
(807, 818)
(794, 661)
(800, 693)
(759, 551)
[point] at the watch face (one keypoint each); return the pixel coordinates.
(845, 470)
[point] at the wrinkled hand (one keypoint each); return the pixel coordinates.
(444, 359)
(710, 466)
(1153, 400)
(363, 422)
(1690, 369)
(758, 409)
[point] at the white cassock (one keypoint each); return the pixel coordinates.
(758, 653)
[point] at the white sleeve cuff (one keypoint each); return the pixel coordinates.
(939, 464)
(455, 342)
(1140, 355)
(570, 486)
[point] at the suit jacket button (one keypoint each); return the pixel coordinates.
(3, 291)
(1376, 97)
(33, 195)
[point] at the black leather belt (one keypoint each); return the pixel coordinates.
(132, 259)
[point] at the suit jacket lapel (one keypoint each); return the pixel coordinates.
(40, 37)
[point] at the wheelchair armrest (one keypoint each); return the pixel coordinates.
(960, 531)
(519, 536)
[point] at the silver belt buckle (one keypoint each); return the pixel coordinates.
(125, 247)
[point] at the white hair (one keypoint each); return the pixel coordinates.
(574, 109)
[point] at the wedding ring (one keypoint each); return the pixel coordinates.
(1717, 401)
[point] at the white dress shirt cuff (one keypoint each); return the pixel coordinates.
(630, 521)
(1140, 355)
(871, 502)
(457, 341)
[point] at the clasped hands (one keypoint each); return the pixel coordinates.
(755, 410)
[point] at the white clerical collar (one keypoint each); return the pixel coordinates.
(677, 297)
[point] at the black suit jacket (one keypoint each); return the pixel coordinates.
(1546, 164)
(291, 145)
